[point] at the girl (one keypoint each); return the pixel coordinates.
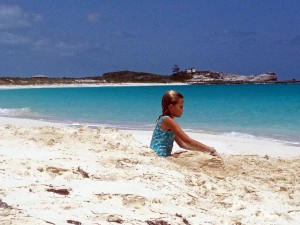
(167, 129)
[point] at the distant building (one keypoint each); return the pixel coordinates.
(39, 76)
(191, 70)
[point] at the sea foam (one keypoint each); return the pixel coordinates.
(18, 112)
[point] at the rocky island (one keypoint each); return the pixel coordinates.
(186, 77)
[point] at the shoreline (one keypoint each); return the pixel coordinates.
(280, 148)
(286, 137)
(225, 144)
(5, 87)
(233, 145)
(54, 173)
(87, 85)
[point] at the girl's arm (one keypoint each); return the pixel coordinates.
(183, 140)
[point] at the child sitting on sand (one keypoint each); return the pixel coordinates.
(167, 129)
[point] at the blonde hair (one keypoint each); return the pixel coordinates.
(170, 97)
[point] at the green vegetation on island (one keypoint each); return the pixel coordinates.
(190, 76)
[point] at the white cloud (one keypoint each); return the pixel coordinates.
(36, 17)
(11, 38)
(58, 48)
(224, 32)
(12, 16)
(93, 17)
(68, 49)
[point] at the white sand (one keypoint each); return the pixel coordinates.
(87, 85)
(53, 174)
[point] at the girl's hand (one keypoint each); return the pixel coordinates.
(214, 152)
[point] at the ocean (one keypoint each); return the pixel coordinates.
(270, 111)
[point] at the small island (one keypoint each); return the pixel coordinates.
(190, 76)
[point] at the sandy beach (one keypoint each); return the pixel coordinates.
(54, 174)
(86, 84)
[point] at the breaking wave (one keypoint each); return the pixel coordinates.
(238, 134)
(19, 113)
(288, 141)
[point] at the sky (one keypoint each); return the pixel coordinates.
(75, 38)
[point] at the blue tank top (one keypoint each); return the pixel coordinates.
(162, 141)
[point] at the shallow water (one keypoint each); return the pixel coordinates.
(266, 111)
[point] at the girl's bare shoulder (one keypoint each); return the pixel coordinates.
(169, 123)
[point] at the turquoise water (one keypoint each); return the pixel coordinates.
(254, 111)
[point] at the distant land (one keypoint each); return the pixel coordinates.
(186, 77)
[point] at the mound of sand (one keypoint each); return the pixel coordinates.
(66, 175)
